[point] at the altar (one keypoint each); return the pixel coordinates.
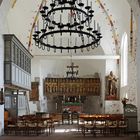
(72, 107)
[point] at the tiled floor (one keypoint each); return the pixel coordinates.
(68, 132)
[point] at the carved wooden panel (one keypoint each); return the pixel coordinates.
(72, 86)
(34, 94)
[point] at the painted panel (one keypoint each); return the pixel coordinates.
(13, 73)
(21, 102)
(17, 75)
(8, 102)
(20, 77)
(7, 72)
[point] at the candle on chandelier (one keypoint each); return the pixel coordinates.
(87, 2)
(60, 19)
(91, 4)
(94, 25)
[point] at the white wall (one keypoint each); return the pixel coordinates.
(59, 67)
(1, 84)
(3, 28)
(138, 70)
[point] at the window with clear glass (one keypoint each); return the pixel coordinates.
(124, 60)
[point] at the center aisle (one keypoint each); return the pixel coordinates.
(66, 132)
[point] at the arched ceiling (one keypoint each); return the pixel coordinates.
(109, 13)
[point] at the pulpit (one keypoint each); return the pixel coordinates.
(130, 112)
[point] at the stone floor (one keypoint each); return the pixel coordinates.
(68, 132)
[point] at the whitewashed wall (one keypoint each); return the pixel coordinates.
(3, 29)
(138, 71)
(1, 84)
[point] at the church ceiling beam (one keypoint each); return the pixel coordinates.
(102, 57)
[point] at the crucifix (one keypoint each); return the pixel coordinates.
(72, 70)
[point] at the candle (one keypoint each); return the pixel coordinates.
(126, 96)
(94, 25)
(56, 105)
(68, 43)
(60, 19)
(60, 41)
(38, 25)
(64, 97)
(53, 40)
(91, 4)
(68, 18)
(75, 41)
(98, 26)
(35, 28)
(87, 2)
(99, 29)
(43, 23)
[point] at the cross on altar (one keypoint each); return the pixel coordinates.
(71, 70)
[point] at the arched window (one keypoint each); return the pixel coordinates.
(124, 60)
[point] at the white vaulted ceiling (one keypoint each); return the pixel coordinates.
(113, 17)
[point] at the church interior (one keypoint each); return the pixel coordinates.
(70, 64)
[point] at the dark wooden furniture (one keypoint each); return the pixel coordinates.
(65, 117)
(130, 112)
(75, 117)
(103, 124)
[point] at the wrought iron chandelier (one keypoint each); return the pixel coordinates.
(67, 26)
